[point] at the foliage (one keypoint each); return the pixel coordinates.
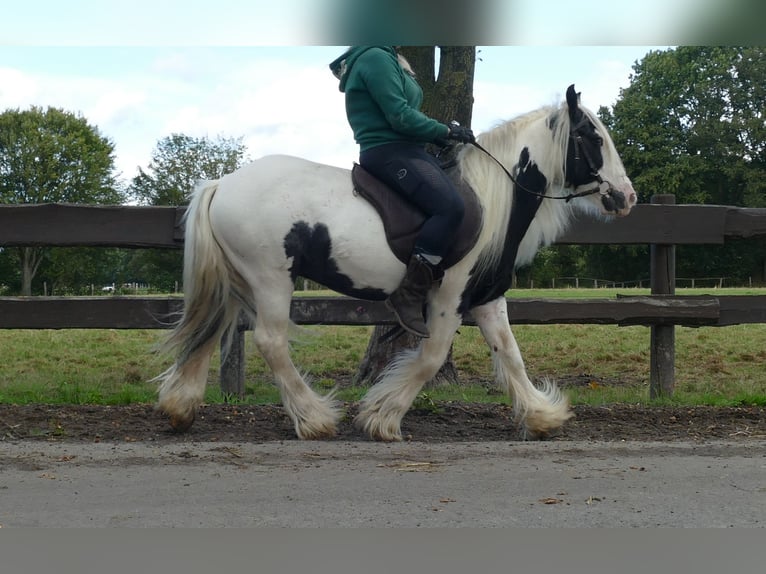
(52, 156)
(72, 270)
(691, 124)
(179, 161)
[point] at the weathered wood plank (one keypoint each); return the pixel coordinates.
(659, 224)
(622, 311)
(90, 225)
(88, 312)
(745, 222)
(133, 226)
(741, 309)
(158, 312)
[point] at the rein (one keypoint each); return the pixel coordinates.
(607, 194)
(566, 198)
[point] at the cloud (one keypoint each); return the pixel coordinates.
(276, 105)
(277, 100)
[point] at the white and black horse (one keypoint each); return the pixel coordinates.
(250, 234)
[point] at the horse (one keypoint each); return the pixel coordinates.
(252, 233)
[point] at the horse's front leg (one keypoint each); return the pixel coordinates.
(385, 404)
(539, 411)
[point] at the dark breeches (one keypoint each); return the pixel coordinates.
(415, 174)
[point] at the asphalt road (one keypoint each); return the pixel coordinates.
(359, 484)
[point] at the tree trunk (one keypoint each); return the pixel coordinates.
(30, 258)
(447, 96)
(381, 350)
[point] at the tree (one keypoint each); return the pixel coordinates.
(447, 96)
(52, 156)
(73, 270)
(691, 123)
(178, 162)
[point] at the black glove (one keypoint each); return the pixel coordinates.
(460, 133)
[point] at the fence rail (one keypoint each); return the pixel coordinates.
(660, 224)
(158, 312)
(130, 226)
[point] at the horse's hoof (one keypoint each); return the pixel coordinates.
(182, 424)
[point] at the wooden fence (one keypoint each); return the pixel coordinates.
(660, 224)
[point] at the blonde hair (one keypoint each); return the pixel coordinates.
(405, 64)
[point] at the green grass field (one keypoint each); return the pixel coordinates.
(714, 366)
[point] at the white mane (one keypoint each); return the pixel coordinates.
(547, 147)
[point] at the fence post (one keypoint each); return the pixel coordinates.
(663, 282)
(233, 367)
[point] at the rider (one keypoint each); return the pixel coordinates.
(383, 108)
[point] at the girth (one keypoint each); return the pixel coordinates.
(402, 220)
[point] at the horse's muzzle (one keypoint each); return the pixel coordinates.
(613, 201)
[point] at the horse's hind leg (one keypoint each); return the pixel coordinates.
(385, 404)
(183, 385)
(539, 412)
(314, 416)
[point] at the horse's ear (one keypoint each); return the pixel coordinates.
(573, 98)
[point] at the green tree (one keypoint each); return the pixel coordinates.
(177, 163)
(72, 270)
(10, 279)
(691, 123)
(52, 156)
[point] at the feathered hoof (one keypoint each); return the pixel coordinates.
(377, 427)
(542, 426)
(182, 423)
(323, 425)
(314, 433)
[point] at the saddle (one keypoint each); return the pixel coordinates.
(402, 220)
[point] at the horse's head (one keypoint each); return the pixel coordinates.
(585, 168)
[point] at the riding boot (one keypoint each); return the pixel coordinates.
(408, 299)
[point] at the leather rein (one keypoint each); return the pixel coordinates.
(577, 142)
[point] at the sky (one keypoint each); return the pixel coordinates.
(141, 71)
(278, 99)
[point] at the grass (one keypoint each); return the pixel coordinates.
(714, 366)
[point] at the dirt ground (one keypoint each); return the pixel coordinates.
(441, 422)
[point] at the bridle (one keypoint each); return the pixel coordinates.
(581, 153)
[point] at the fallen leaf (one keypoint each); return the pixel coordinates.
(551, 500)
(409, 466)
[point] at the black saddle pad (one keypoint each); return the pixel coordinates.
(402, 220)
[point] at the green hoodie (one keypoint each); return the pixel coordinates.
(382, 100)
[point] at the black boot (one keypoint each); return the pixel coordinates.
(408, 299)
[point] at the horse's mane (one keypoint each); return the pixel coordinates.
(546, 132)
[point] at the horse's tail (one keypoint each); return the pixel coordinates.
(212, 288)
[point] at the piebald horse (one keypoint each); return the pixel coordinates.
(250, 234)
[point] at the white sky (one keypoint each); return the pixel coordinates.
(138, 81)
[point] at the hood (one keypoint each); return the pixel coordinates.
(341, 66)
